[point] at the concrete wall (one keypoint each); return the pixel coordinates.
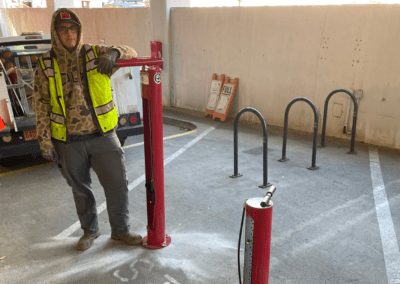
(114, 26)
(66, 4)
(160, 30)
(117, 26)
(279, 53)
(16, 21)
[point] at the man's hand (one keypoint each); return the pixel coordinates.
(50, 155)
(106, 61)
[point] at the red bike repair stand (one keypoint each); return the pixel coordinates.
(150, 79)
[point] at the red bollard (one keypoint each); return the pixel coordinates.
(150, 79)
(257, 239)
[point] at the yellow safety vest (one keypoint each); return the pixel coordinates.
(100, 95)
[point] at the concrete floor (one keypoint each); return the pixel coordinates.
(325, 225)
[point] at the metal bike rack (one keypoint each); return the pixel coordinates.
(355, 112)
(265, 144)
(316, 119)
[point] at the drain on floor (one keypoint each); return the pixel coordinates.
(256, 151)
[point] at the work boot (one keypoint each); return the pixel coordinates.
(87, 240)
(128, 238)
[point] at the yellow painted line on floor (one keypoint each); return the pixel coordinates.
(125, 147)
(25, 169)
(165, 138)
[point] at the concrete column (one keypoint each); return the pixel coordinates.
(6, 27)
(160, 30)
(3, 24)
(50, 5)
(3, 4)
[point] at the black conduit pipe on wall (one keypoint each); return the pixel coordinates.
(355, 112)
(265, 144)
(285, 130)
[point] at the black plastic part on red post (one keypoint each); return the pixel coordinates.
(150, 188)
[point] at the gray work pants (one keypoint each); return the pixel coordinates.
(105, 155)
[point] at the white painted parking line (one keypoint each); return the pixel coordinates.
(286, 236)
(388, 235)
(70, 230)
(171, 279)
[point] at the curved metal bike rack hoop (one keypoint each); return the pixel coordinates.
(316, 119)
(355, 112)
(265, 144)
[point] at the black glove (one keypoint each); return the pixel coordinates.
(106, 61)
(50, 155)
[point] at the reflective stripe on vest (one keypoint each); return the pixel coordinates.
(57, 115)
(100, 95)
(104, 106)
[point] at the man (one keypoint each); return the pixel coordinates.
(76, 119)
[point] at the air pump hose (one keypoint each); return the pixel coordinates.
(240, 236)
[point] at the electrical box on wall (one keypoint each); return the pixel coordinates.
(349, 111)
(337, 110)
(358, 94)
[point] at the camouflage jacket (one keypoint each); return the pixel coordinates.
(79, 119)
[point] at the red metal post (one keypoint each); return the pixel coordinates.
(140, 61)
(154, 158)
(257, 242)
(150, 79)
(156, 49)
